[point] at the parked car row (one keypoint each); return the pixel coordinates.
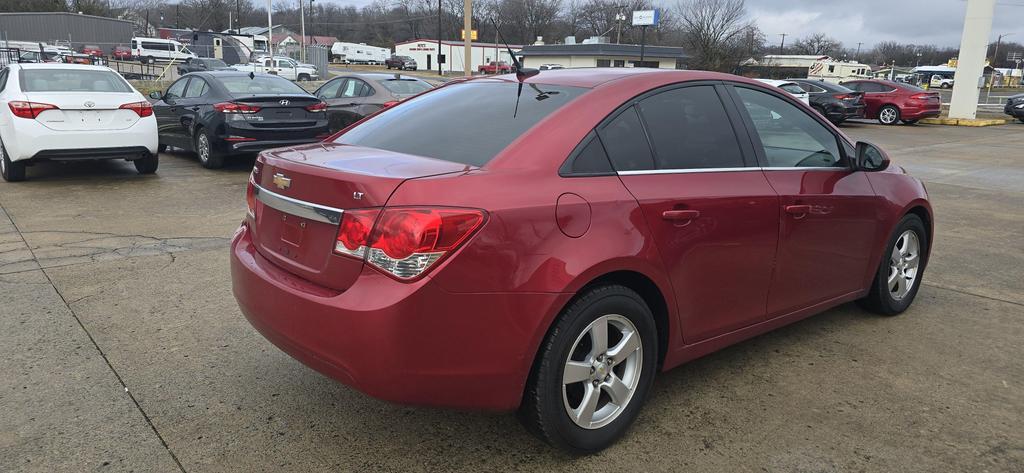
(889, 102)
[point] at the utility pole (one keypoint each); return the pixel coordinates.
(782, 45)
(995, 57)
(238, 15)
(856, 57)
(311, 33)
(270, 30)
(302, 22)
(467, 26)
(995, 54)
(177, 15)
(439, 72)
(619, 18)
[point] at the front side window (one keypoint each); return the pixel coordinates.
(176, 90)
(689, 129)
(793, 89)
(788, 135)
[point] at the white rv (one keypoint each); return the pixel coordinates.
(830, 70)
(361, 53)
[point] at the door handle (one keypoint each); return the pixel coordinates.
(799, 211)
(680, 215)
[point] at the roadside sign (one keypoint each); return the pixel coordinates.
(646, 17)
(462, 33)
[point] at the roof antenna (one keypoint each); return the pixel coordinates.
(521, 72)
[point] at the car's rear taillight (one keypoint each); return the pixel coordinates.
(232, 107)
(29, 110)
(143, 108)
(922, 96)
(405, 241)
(389, 104)
(317, 107)
(843, 96)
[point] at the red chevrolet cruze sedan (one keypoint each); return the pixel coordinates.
(549, 243)
(892, 102)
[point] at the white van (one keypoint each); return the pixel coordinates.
(150, 50)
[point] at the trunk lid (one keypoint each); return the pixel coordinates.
(335, 178)
(280, 111)
(79, 111)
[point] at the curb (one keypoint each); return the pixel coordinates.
(965, 121)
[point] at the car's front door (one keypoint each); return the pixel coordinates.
(167, 112)
(190, 107)
(710, 210)
(828, 212)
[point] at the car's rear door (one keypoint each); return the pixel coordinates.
(351, 103)
(713, 216)
(828, 212)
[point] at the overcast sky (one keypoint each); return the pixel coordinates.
(937, 22)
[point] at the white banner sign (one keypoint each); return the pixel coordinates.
(646, 18)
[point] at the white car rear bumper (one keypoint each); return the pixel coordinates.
(25, 139)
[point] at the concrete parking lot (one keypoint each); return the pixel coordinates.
(124, 350)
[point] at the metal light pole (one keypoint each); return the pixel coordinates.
(439, 72)
(467, 26)
(302, 23)
(270, 29)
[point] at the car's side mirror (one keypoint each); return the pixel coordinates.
(870, 158)
(156, 95)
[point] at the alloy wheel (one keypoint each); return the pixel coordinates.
(888, 115)
(903, 264)
(203, 150)
(602, 371)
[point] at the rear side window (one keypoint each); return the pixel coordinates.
(689, 129)
(626, 142)
(72, 80)
(465, 123)
(792, 88)
(590, 159)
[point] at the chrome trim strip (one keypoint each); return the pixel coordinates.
(298, 208)
(693, 171)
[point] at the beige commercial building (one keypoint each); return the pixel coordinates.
(602, 55)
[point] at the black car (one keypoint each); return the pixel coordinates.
(402, 63)
(217, 114)
(351, 97)
(200, 64)
(1015, 107)
(833, 101)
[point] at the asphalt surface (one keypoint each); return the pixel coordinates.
(123, 349)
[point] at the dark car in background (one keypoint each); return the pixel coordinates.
(199, 64)
(402, 63)
(222, 113)
(351, 97)
(1015, 107)
(832, 101)
(891, 102)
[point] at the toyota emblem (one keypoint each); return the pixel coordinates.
(89, 104)
(284, 103)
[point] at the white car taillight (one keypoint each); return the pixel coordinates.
(405, 242)
(30, 110)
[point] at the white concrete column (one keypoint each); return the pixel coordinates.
(971, 62)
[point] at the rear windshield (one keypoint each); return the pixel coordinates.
(215, 63)
(72, 80)
(259, 85)
(405, 86)
(464, 123)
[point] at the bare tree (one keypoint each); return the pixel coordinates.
(818, 43)
(710, 29)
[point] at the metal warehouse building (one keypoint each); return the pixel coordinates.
(79, 30)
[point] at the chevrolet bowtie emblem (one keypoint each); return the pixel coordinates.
(281, 181)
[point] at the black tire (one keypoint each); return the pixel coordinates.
(161, 148)
(303, 77)
(10, 170)
(1021, 119)
(886, 118)
(147, 165)
(208, 156)
(909, 122)
(945, 86)
(543, 410)
(880, 299)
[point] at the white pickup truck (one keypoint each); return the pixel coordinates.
(283, 66)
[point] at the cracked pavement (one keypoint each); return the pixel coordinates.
(124, 350)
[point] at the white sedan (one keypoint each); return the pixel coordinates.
(793, 88)
(72, 112)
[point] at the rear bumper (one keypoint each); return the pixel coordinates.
(913, 113)
(28, 139)
(256, 140)
(840, 112)
(411, 343)
(1012, 111)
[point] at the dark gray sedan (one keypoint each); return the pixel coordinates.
(351, 97)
